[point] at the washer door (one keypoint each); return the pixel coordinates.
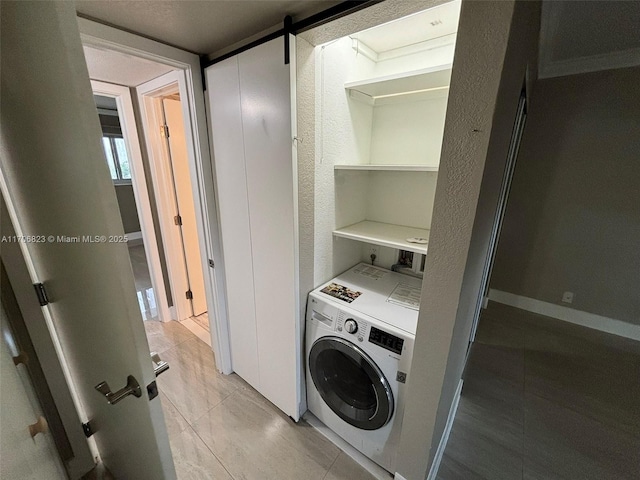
(350, 383)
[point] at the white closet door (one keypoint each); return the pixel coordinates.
(256, 176)
(223, 89)
(266, 119)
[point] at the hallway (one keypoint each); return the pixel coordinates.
(220, 428)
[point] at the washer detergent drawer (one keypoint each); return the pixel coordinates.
(321, 311)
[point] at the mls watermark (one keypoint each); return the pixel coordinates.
(64, 239)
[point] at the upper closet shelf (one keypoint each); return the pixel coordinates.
(423, 81)
(387, 167)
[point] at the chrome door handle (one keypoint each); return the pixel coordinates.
(131, 388)
(159, 365)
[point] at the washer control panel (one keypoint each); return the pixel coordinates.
(351, 326)
(357, 328)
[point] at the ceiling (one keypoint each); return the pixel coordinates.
(203, 26)
(420, 27)
(582, 36)
(114, 67)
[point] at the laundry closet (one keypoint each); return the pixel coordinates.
(381, 99)
(371, 144)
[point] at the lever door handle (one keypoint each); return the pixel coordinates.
(131, 388)
(159, 365)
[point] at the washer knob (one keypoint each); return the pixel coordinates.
(351, 326)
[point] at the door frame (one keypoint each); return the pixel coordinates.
(150, 102)
(122, 96)
(501, 209)
(200, 164)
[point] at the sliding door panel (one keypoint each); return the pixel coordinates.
(223, 89)
(266, 120)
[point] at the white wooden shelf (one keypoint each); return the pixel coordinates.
(386, 167)
(416, 81)
(385, 234)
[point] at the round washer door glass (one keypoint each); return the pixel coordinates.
(350, 383)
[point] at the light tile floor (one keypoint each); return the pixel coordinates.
(221, 428)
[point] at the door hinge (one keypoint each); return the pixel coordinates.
(189, 295)
(177, 220)
(164, 131)
(88, 429)
(211, 264)
(41, 293)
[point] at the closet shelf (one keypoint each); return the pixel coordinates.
(385, 234)
(416, 81)
(386, 167)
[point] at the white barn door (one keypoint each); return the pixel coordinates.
(250, 101)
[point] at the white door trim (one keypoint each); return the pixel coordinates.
(122, 97)
(162, 178)
(105, 37)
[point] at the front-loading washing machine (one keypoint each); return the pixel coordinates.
(360, 332)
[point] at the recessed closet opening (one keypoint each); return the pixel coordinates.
(381, 101)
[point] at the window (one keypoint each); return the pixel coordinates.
(117, 159)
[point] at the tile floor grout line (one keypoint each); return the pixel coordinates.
(331, 466)
(306, 454)
(176, 409)
(212, 452)
(214, 407)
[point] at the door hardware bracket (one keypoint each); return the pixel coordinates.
(43, 298)
(88, 429)
(152, 390)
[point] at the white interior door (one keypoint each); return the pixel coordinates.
(57, 187)
(252, 137)
(184, 200)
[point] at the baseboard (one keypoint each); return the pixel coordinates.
(577, 317)
(134, 238)
(369, 465)
(197, 330)
(435, 465)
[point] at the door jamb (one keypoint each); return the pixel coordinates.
(149, 99)
(122, 96)
(105, 37)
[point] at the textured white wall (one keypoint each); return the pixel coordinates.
(305, 104)
(401, 198)
(497, 44)
(408, 132)
(342, 135)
